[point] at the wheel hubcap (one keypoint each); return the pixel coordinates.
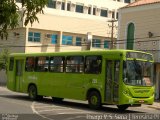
(94, 100)
(32, 93)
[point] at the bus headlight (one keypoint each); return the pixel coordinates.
(126, 92)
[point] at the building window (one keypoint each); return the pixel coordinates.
(106, 44)
(113, 14)
(69, 6)
(117, 15)
(104, 13)
(51, 3)
(34, 37)
(54, 39)
(127, 1)
(67, 40)
(78, 41)
(96, 43)
(89, 10)
(130, 36)
(79, 8)
(94, 11)
(63, 6)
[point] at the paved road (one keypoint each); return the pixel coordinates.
(19, 106)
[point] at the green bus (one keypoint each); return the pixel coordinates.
(111, 77)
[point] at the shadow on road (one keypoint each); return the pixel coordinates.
(16, 97)
(70, 104)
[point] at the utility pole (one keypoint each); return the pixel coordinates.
(112, 32)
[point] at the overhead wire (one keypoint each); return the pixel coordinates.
(82, 43)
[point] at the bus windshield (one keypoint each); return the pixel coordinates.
(138, 73)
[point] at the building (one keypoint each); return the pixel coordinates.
(139, 29)
(64, 26)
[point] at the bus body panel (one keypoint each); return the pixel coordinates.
(143, 96)
(61, 85)
(15, 79)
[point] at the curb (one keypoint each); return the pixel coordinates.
(155, 107)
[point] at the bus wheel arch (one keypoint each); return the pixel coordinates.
(94, 98)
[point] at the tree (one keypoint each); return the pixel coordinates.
(4, 59)
(9, 16)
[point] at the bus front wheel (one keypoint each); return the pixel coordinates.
(122, 107)
(94, 100)
(32, 92)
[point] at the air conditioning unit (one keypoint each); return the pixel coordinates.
(48, 35)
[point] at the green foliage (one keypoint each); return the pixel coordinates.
(9, 17)
(32, 8)
(4, 59)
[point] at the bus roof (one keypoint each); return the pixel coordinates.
(78, 52)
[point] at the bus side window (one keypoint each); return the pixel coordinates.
(11, 64)
(42, 64)
(74, 64)
(30, 63)
(93, 64)
(56, 64)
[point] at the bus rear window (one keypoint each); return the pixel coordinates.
(11, 64)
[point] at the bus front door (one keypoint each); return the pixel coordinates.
(112, 81)
(19, 75)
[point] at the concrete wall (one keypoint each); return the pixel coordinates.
(15, 41)
(3, 78)
(146, 19)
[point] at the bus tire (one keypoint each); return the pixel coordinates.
(122, 107)
(57, 100)
(94, 100)
(32, 92)
(39, 97)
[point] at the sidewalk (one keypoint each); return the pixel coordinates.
(156, 105)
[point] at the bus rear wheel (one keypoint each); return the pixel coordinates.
(32, 92)
(122, 107)
(94, 100)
